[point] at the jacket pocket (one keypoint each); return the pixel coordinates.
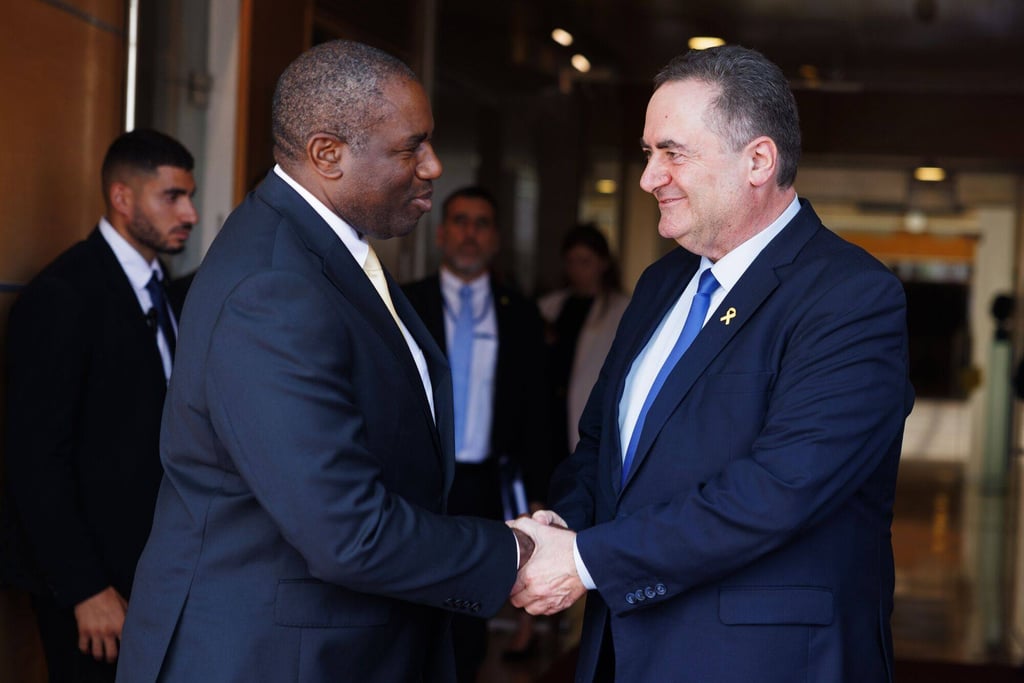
(776, 605)
(314, 604)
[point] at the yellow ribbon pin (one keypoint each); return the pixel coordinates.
(729, 315)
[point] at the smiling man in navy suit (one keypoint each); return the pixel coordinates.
(300, 532)
(732, 490)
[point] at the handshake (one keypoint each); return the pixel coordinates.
(547, 581)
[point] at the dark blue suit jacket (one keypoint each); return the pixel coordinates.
(299, 533)
(751, 540)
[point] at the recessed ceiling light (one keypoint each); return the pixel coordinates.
(562, 37)
(704, 42)
(930, 174)
(580, 63)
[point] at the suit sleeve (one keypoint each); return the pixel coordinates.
(289, 404)
(47, 367)
(835, 411)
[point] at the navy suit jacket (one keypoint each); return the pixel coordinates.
(85, 390)
(299, 533)
(751, 539)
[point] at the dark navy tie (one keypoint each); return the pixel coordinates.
(694, 322)
(163, 312)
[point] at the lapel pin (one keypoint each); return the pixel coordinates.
(729, 315)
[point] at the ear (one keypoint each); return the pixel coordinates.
(121, 198)
(763, 156)
(327, 155)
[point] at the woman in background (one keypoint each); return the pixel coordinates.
(581, 322)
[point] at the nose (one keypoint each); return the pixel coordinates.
(653, 176)
(429, 166)
(189, 213)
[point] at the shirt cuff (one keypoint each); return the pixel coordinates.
(581, 568)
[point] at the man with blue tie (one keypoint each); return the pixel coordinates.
(732, 492)
(90, 345)
(493, 339)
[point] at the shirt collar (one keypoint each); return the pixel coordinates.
(348, 235)
(730, 268)
(132, 262)
(452, 283)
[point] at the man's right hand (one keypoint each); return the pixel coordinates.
(100, 620)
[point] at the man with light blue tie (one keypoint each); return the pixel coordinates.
(732, 491)
(493, 338)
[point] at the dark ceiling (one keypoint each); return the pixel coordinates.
(891, 75)
(944, 46)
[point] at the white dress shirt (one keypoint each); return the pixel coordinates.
(476, 440)
(359, 250)
(728, 270)
(139, 273)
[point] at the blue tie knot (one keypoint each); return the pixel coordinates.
(708, 284)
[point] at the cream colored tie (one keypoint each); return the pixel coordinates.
(375, 272)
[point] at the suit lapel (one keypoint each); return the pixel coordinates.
(121, 296)
(433, 312)
(351, 283)
(749, 293)
(665, 296)
(440, 379)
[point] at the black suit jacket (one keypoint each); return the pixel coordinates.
(519, 427)
(85, 390)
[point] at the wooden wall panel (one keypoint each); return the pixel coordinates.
(62, 79)
(273, 33)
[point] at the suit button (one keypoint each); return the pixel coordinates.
(475, 607)
(660, 588)
(640, 597)
(649, 592)
(630, 598)
(449, 602)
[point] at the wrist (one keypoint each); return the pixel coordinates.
(526, 546)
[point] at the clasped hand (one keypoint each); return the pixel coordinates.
(548, 581)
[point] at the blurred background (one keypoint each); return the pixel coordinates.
(913, 147)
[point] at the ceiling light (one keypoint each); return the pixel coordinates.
(929, 174)
(580, 63)
(562, 37)
(704, 42)
(605, 186)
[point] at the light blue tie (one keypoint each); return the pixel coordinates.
(461, 357)
(694, 322)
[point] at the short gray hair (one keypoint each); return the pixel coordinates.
(754, 100)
